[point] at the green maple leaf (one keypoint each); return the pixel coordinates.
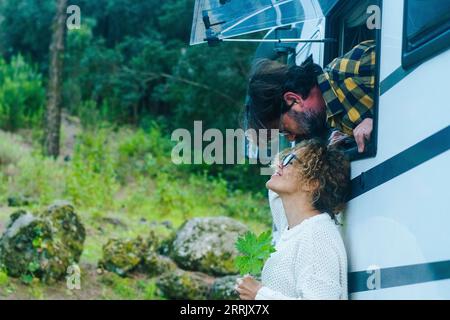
(246, 243)
(254, 251)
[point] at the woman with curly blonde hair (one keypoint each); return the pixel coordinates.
(310, 262)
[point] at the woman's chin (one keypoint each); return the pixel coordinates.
(271, 184)
(277, 184)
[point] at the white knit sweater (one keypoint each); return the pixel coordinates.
(310, 261)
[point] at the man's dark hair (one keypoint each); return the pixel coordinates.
(270, 80)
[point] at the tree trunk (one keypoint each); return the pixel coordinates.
(54, 94)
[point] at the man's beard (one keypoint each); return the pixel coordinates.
(310, 124)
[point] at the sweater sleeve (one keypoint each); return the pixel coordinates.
(278, 215)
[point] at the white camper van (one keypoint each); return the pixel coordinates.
(397, 225)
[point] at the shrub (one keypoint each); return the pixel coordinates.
(22, 95)
(248, 206)
(91, 179)
(27, 173)
(12, 149)
(40, 178)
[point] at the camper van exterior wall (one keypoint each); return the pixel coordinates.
(396, 225)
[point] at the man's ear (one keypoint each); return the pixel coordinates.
(291, 97)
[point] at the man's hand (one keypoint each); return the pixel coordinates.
(337, 137)
(247, 288)
(362, 133)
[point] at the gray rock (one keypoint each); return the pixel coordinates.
(208, 245)
(124, 256)
(180, 284)
(67, 226)
(165, 244)
(155, 264)
(42, 245)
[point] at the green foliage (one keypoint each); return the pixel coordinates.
(208, 84)
(25, 26)
(254, 250)
(79, 46)
(91, 180)
(125, 170)
(149, 288)
(22, 95)
(123, 289)
(144, 152)
(121, 74)
(182, 198)
(39, 177)
(36, 289)
(12, 149)
(129, 288)
(4, 279)
(26, 278)
(246, 205)
(129, 66)
(129, 73)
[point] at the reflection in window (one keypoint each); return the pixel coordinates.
(426, 19)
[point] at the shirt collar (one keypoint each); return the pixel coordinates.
(289, 233)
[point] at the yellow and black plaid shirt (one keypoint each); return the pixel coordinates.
(347, 85)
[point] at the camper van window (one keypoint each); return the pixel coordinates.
(347, 23)
(427, 29)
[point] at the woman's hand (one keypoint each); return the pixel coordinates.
(247, 288)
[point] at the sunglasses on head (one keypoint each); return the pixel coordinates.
(255, 122)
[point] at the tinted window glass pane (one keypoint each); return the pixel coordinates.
(426, 19)
(237, 17)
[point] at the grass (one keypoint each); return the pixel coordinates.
(123, 184)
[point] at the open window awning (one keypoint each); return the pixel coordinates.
(224, 19)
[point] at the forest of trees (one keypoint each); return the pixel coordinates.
(86, 116)
(130, 63)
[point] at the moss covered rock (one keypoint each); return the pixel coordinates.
(224, 289)
(42, 245)
(123, 256)
(181, 284)
(165, 243)
(208, 245)
(67, 226)
(155, 264)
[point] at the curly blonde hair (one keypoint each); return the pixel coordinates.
(327, 168)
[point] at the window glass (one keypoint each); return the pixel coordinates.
(425, 20)
(348, 25)
(232, 18)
